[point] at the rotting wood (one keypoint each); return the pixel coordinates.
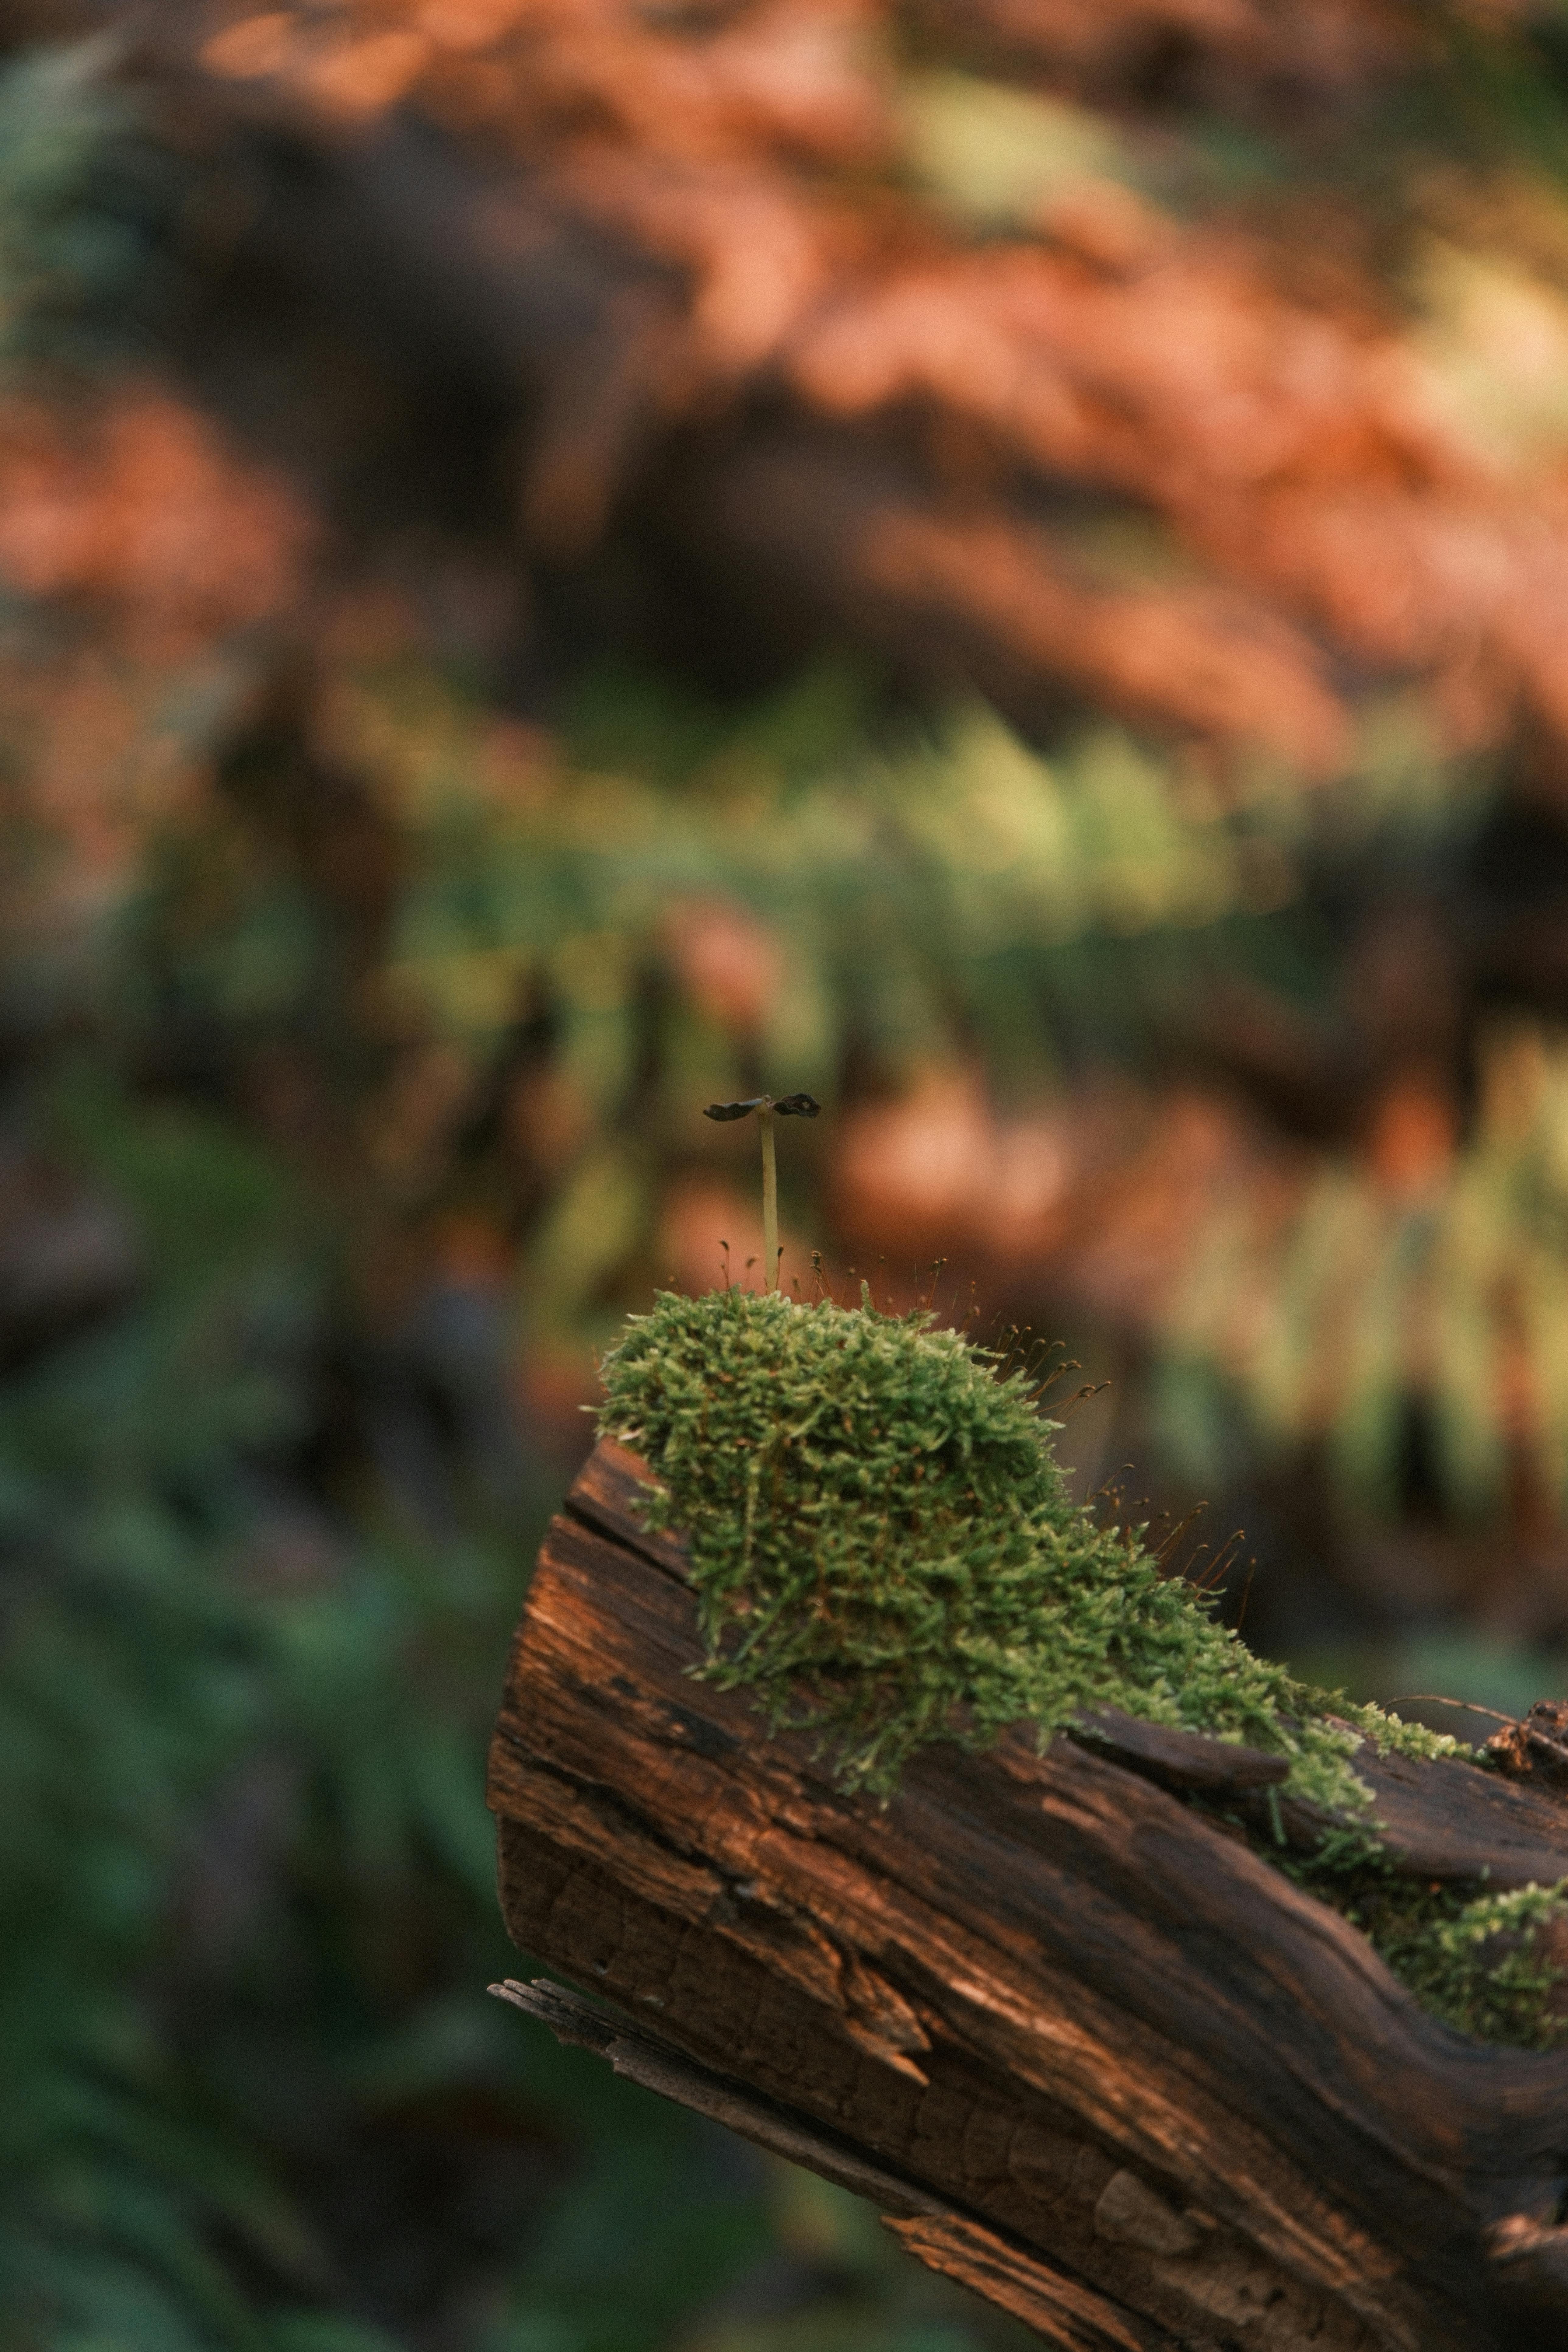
(1086, 2051)
(943, 2237)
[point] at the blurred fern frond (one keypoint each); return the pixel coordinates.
(1379, 1291)
(85, 201)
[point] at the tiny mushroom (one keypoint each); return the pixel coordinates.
(787, 1106)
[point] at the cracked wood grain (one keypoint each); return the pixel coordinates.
(1139, 2076)
(944, 2238)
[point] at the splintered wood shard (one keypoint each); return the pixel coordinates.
(1085, 2050)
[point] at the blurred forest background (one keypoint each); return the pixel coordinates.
(1003, 562)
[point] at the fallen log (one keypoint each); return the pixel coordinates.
(1086, 2051)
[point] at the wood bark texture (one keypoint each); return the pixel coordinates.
(1087, 2051)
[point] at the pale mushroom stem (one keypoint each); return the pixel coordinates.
(770, 1196)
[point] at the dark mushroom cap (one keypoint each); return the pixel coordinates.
(788, 1107)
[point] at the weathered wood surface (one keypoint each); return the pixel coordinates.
(1087, 2052)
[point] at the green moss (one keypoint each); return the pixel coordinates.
(883, 1547)
(884, 1550)
(1481, 1963)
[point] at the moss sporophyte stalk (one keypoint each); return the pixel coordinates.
(884, 1549)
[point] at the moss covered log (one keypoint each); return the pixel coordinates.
(884, 1550)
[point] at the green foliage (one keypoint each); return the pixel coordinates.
(883, 1547)
(83, 201)
(931, 896)
(907, 868)
(246, 1897)
(927, 894)
(256, 2098)
(1371, 1290)
(129, 1677)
